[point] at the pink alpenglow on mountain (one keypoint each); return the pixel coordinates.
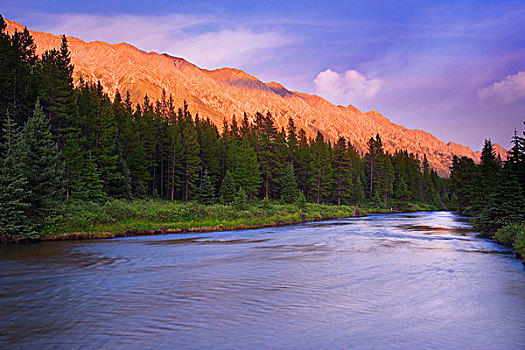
(223, 93)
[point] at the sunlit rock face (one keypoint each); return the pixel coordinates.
(223, 93)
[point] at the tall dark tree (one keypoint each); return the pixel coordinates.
(190, 160)
(516, 158)
(343, 183)
(506, 205)
(289, 191)
(267, 156)
(40, 162)
(206, 194)
(18, 76)
(15, 195)
(56, 92)
(227, 189)
(88, 185)
(462, 173)
(485, 177)
(321, 179)
(242, 162)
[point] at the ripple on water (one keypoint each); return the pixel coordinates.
(406, 281)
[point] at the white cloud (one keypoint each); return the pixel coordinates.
(229, 47)
(346, 88)
(203, 40)
(509, 89)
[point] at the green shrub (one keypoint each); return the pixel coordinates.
(507, 234)
(513, 236)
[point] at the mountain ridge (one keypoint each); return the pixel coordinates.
(222, 93)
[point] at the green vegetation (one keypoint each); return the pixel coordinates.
(513, 236)
(117, 217)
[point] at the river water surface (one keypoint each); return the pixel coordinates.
(399, 281)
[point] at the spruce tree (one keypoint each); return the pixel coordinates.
(267, 155)
(87, 185)
(289, 191)
(300, 202)
(321, 175)
(227, 192)
(462, 182)
(191, 163)
(292, 142)
(516, 158)
(18, 78)
(57, 90)
(14, 193)
(41, 164)
(358, 192)
(240, 200)
(206, 194)
(506, 205)
(303, 164)
(242, 162)
(342, 171)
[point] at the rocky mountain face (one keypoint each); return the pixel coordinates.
(220, 94)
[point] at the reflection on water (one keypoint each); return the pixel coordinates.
(416, 281)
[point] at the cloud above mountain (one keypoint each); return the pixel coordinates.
(204, 40)
(509, 89)
(346, 87)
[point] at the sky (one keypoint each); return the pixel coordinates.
(455, 69)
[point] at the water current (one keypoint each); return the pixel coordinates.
(398, 281)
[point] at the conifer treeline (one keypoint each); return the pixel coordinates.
(492, 191)
(98, 148)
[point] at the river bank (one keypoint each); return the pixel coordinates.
(149, 217)
(76, 220)
(512, 236)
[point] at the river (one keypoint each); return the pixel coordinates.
(399, 281)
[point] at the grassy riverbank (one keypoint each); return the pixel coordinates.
(513, 236)
(115, 218)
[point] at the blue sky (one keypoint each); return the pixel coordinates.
(453, 68)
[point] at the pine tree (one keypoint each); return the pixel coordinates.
(206, 194)
(342, 172)
(292, 142)
(57, 93)
(74, 160)
(321, 179)
(303, 164)
(358, 192)
(461, 179)
(210, 150)
(14, 193)
(267, 156)
(242, 162)
(300, 202)
(384, 178)
(132, 149)
(191, 163)
(18, 79)
(516, 158)
(41, 164)
(507, 204)
(87, 185)
(289, 191)
(240, 200)
(227, 189)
